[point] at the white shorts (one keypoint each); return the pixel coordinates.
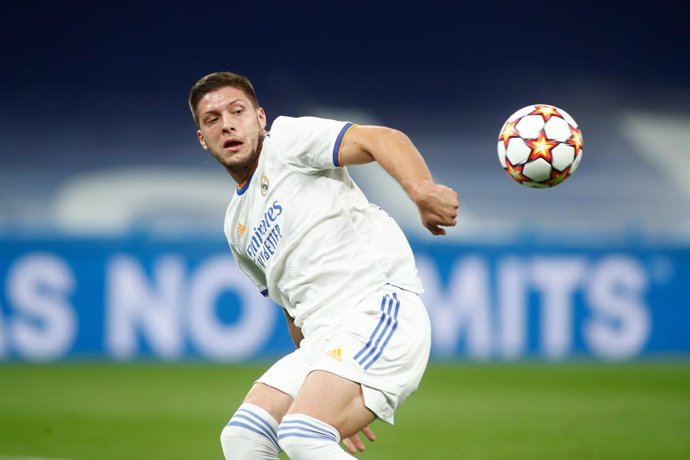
(383, 344)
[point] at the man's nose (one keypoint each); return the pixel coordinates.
(228, 124)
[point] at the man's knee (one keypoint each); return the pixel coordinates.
(235, 443)
(250, 434)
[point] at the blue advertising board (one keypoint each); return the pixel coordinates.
(139, 298)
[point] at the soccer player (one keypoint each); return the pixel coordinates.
(341, 268)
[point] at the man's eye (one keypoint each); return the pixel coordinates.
(210, 121)
(239, 111)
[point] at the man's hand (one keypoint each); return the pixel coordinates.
(354, 444)
(438, 205)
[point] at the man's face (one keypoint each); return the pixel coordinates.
(230, 127)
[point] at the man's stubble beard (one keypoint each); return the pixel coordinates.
(241, 161)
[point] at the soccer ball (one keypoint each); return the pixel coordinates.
(540, 146)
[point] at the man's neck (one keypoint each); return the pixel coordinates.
(242, 174)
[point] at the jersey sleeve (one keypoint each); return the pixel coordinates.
(309, 143)
(252, 272)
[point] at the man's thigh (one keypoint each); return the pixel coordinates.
(334, 400)
(379, 351)
(270, 399)
(275, 390)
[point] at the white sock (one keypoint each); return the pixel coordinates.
(306, 438)
(250, 435)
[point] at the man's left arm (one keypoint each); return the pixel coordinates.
(295, 332)
(395, 152)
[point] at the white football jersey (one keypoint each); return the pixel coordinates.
(306, 235)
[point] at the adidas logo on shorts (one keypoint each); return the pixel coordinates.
(336, 353)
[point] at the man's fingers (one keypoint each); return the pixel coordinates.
(358, 443)
(369, 434)
(436, 230)
(436, 219)
(349, 445)
(354, 444)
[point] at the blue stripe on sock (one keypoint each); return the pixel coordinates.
(257, 418)
(303, 429)
(304, 425)
(260, 424)
(296, 434)
(233, 422)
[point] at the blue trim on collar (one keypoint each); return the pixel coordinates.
(240, 191)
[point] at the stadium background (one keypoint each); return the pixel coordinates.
(561, 317)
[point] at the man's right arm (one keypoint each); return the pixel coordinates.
(395, 152)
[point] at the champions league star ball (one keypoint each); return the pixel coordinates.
(540, 146)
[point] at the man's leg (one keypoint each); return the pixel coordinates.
(384, 344)
(327, 409)
(251, 433)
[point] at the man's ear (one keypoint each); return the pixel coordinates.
(262, 119)
(202, 141)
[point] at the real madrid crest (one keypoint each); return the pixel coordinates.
(264, 185)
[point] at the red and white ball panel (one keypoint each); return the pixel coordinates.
(576, 163)
(530, 126)
(566, 116)
(562, 156)
(557, 129)
(535, 184)
(517, 151)
(538, 170)
(540, 146)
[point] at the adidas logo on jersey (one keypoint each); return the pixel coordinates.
(336, 353)
(241, 228)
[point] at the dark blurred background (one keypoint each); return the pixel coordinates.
(97, 91)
